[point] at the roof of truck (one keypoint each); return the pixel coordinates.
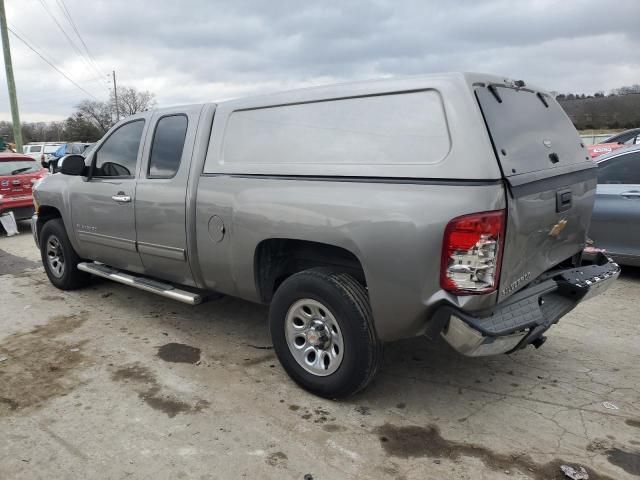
(371, 86)
(360, 88)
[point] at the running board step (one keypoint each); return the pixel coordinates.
(143, 283)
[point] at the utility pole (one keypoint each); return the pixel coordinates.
(115, 92)
(11, 84)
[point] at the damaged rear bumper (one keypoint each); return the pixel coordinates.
(523, 318)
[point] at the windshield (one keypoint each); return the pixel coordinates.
(17, 167)
(628, 137)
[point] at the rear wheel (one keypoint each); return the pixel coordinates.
(59, 258)
(322, 331)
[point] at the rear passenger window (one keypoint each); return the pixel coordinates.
(35, 148)
(624, 169)
(168, 143)
(118, 155)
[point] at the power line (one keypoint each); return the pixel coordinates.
(67, 14)
(71, 42)
(103, 83)
(49, 63)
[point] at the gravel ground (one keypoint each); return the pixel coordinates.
(112, 382)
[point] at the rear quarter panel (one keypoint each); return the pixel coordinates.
(394, 229)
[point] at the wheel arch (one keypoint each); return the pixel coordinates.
(46, 213)
(276, 259)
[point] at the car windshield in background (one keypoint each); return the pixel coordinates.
(17, 167)
(629, 137)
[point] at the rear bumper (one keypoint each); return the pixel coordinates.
(523, 318)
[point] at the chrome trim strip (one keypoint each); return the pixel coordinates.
(106, 240)
(171, 253)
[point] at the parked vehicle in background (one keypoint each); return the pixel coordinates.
(41, 151)
(55, 165)
(18, 173)
(34, 150)
(363, 213)
(620, 140)
(75, 148)
(615, 225)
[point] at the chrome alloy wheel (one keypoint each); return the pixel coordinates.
(55, 256)
(314, 337)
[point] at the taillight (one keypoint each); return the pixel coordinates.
(472, 253)
(42, 157)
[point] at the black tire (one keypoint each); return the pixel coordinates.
(68, 277)
(348, 302)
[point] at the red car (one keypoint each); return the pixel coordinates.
(624, 139)
(18, 173)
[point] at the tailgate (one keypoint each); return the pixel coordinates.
(549, 178)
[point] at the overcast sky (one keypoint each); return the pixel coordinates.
(189, 51)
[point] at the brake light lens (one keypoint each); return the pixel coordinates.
(472, 253)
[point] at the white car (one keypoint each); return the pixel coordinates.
(41, 150)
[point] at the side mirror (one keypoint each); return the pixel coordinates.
(71, 165)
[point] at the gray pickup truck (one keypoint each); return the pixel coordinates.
(363, 213)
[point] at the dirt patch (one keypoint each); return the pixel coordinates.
(52, 298)
(277, 459)
(633, 423)
(415, 441)
(362, 410)
(333, 427)
(150, 391)
(179, 353)
(250, 362)
(628, 461)
(39, 365)
(12, 264)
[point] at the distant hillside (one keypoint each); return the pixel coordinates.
(614, 111)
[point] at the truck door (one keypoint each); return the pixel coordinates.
(160, 204)
(102, 208)
(615, 225)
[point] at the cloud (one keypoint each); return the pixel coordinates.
(199, 50)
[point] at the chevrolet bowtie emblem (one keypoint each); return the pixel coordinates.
(558, 228)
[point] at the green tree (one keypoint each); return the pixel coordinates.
(80, 129)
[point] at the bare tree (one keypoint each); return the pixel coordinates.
(626, 90)
(98, 113)
(132, 101)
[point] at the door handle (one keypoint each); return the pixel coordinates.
(631, 194)
(120, 197)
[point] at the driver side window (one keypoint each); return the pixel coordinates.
(118, 155)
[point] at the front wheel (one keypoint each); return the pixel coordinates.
(59, 258)
(322, 331)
